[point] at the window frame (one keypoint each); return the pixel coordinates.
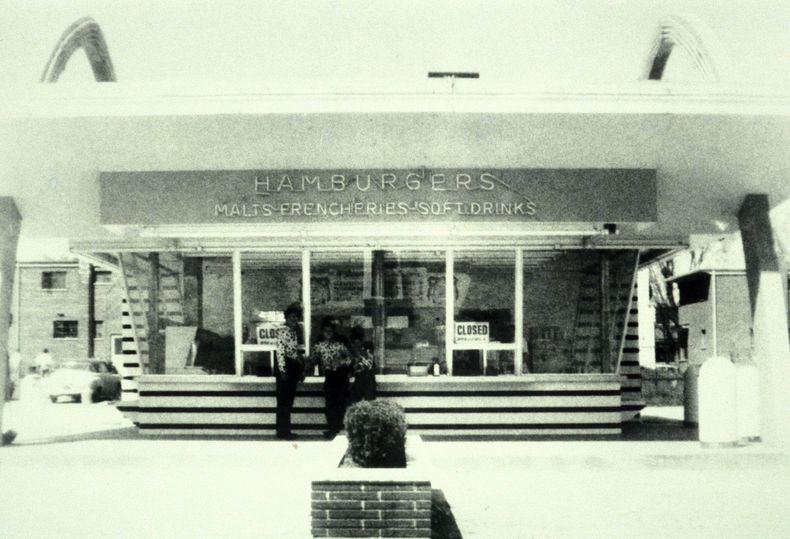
(107, 282)
(71, 337)
(98, 329)
(52, 273)
(517, 347)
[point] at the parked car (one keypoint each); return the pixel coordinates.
(96, 380)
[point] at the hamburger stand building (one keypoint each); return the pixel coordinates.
(493, 233)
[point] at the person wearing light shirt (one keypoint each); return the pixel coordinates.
(288, 370)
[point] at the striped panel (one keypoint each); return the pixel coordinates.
(632, 400)
(131, 367)
(508, 405)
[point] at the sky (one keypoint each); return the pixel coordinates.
(307, 43)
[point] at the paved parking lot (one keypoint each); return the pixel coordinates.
(113, 482)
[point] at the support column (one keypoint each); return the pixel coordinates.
(156, 358)
(767, 279)
(10, 221)
(91, 311)
(603, 296)
(379, 309)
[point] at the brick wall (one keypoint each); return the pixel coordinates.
(39, 308)
(371, 509)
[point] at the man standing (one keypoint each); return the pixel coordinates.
(288, 370)
(44, 362)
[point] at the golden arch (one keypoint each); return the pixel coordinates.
(84, 33)
(694, 39)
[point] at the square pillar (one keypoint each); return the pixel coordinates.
(10, 221)
(767, 279)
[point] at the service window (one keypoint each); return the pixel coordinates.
(408, 308)
(205, 344)
(484, 312)
(271, 282)
(340, 294)
(575, 309)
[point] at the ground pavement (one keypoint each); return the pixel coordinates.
(117, 483)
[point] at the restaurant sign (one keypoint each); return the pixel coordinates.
(266, 332)
(466, 332)
(418, 194)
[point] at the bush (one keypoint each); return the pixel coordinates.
(376, 434)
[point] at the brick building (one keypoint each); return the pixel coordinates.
(51, 310)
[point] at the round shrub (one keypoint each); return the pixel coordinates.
(376, 434)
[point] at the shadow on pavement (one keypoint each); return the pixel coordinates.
(443, 525)
(131, 433)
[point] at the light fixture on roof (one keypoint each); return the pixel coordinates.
(452, 76)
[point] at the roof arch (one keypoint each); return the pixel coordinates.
(696, 41)
(84, 33)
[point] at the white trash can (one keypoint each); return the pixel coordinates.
(691, 395)
(748, 400)
(718, 421)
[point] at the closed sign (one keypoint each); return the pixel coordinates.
(471, 332)
(267, 332)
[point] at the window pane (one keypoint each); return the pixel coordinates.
(270, 283)
(340, 293)
(485, 287)
(412, 318)
(53, 280)
(484, 309)
(65, 329)
(201, 340)
(98, 326)
(562, 322)
(117, 344)
(103, 277)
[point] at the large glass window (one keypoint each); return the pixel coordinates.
(575, 309)
(408, 308)
(561, 312)
(340, 292)
(484, 312)
(270, 283)
(200, 339)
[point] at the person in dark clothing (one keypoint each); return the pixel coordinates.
(288, 370)
(332, 355)
(363, 386)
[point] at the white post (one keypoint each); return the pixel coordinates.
(449, 309)
(237, 315)
(518, 312)
(306, 306)
(10, 223)
(767, 279)
(714, 331)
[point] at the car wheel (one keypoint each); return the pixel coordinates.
(96, 395)
(77, 398)
(53, 398)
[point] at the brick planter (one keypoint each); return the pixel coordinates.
(373, 502)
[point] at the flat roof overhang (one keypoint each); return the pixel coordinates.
(184, 99)
(219, 239)
(710, 144)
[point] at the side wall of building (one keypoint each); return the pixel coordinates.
(38, 309)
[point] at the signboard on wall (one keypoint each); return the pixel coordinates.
(376, 195)
(471, 332)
